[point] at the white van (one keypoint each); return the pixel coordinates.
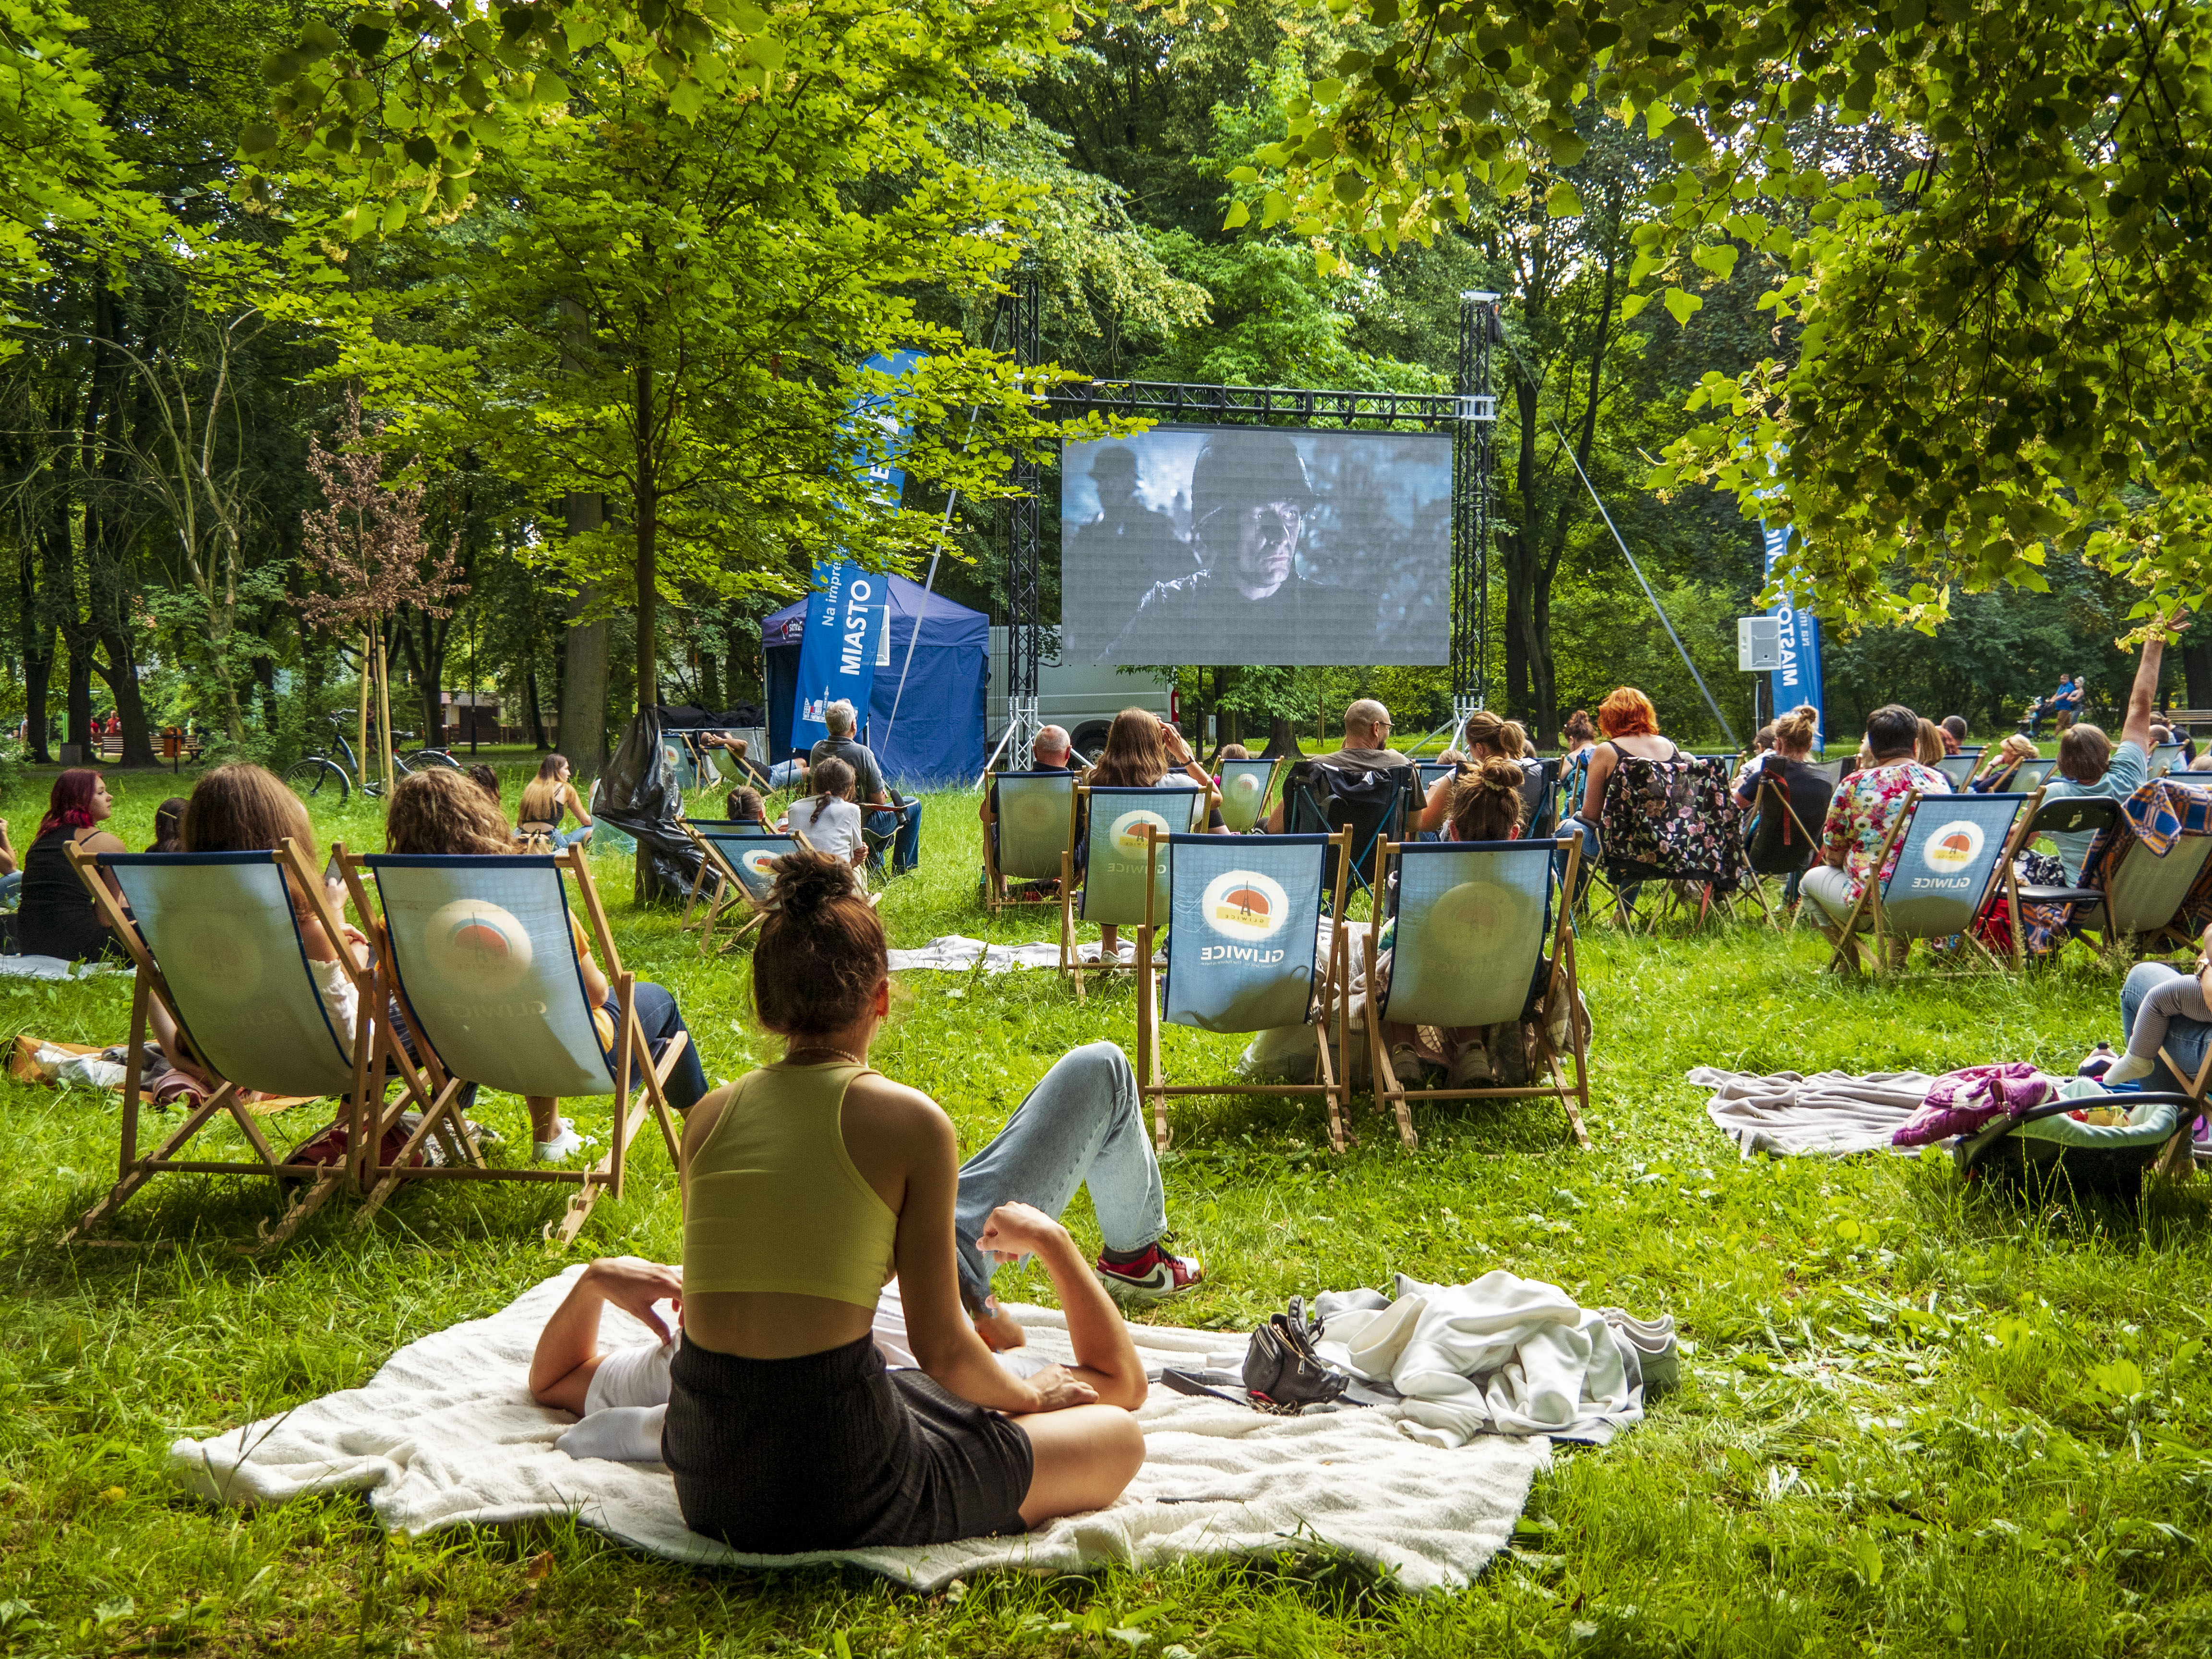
(1082, 698)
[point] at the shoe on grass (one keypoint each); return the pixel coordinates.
(1150, 1275)
(563, 1146)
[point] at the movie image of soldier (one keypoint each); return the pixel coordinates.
(1131, 546)
(1249, 496)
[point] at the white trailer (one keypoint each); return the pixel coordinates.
(1074, 696)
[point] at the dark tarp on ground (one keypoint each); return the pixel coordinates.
(638, 794)
(937, 738)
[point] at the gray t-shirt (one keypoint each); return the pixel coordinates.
(867, 776)
(1363, 760)
(2130, 766)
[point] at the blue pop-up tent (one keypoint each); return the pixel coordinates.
(938, 737)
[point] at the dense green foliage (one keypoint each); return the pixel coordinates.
(1913, 1420)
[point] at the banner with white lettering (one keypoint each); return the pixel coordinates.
(1798, 680)
(847, 610)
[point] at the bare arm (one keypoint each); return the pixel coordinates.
(567, 1353)
(576, 803)
(1434, 808)
(1601, 768)
(945, 1343)
(1105, 1358)
(2144, 691)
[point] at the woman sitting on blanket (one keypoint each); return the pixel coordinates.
(807, 1186)
(54, 914)
(1486, 805)
(441, 811)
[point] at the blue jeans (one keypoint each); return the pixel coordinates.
(2186, 1040)
(906, 847)
(1082, 1125)
(657, 1013)
(11, 889)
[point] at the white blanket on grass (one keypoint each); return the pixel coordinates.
(957, 953)
(38, 967)
(446, 1434)
(1827, 1114)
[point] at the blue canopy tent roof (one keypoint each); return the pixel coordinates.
(939, 734)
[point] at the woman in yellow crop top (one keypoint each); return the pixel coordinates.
(807, 1185)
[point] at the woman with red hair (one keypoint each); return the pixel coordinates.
(55, 917)
(1630, 726)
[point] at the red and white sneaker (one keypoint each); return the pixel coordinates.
(1152, 1277)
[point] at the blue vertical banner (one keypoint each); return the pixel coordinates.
(1798, 679)
(847, 610)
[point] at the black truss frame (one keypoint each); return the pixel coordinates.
(1469, 413)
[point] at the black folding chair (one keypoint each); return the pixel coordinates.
(1373, 806)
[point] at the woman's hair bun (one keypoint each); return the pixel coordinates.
(1504, 777)
(808, 882)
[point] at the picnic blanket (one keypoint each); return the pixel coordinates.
(955, 953)
(38, 967)
(1830, 1112)
(446, 1434)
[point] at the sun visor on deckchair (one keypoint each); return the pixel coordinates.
(1470, 926)
(1244, 926)
(1944, 865)
(485, 956)
(1244, 784)
(1114, 878)
(1034, 811)
(222, 929)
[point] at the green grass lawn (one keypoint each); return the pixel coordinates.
(1911, 1420)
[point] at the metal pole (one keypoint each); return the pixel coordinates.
(1646, 586)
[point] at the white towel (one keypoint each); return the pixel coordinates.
(446, 1434)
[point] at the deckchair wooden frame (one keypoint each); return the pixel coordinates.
(729, 890)
(995, 897)
(1573, 1099)
(1071, 964)
(1151, 1073)
(1869, 903)
(371, 1038)
(631, 1051)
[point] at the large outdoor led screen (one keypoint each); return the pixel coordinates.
(1243, 544)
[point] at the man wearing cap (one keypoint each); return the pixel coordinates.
(1249, 500)
(1129, 546)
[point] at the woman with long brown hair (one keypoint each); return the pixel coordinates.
(1141, 751)
(807, 1185)
(441, 811)
(547, 798)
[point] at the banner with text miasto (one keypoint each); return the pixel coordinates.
(1798, 679)
(847, 613)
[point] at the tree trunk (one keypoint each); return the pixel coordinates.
(2196, 673)
(1282, 740)
(536, 721)
(646, 511)
(80, 704)
(38, 657)
(584, 672)
(121, 673)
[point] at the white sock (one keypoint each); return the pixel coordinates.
(2128, 1068)
(620, 1434)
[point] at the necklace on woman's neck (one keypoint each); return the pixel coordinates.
(793, 1054)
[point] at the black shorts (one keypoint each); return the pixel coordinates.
(830, 1451)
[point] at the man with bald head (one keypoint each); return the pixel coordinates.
(1366, 749)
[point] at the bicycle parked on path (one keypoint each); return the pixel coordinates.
(319, 777)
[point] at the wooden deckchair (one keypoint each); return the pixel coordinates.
(215, 942)
(482, 951)
(1119, 872)
(1244, 925)
(1031, 833)
(1466, 948)
(1950, 851)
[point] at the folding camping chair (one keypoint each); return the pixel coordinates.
(485, 960)
(1374, 806)
(216, 943)
(1690, 829)
(1467, 947)
(879, 842)
(1949, 849)
(1029, 841)
(1782, 843)
(1245, 786)
(1243, 950)
(1539, 797)
(733, 860)
(1120, 873)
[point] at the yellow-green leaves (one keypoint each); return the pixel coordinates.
(1681, 306)
(1564, 202)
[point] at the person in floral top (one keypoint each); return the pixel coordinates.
(1865, 806)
